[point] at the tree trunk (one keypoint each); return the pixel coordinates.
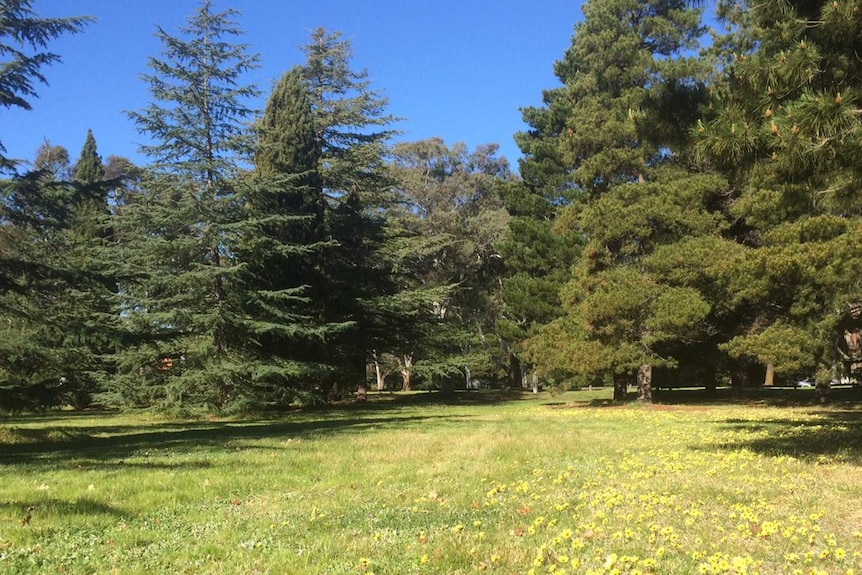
(406, 372)
(514, 371)
(738, 378)
(824, 391)
(645, 383)
(379, 376)
(535, 382)
(709, 376)
(769, 380)
(621, 386)
(468, 379)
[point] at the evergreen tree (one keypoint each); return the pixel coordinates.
(352, 131)
(24, 37)
(621, 115)
(281, 239)
(60, 306)
(783, 127)
(178, 232)
(89, 168)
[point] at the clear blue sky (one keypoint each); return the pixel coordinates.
(458, 69)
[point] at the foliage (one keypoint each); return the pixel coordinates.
(782, 127)
(177, 233)
(447, 222)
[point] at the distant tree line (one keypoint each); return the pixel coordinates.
(683, 214)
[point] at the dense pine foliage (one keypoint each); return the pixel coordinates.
(686, 212)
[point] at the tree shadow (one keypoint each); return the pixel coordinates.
(835, 434)
(845, 396)
(28, 511)
(54, 445)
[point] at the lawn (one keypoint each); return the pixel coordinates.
(565, 483)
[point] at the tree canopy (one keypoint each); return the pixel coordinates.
(685, 212)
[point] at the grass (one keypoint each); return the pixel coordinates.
(547, 484)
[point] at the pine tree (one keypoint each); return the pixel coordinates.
(178, 232)
(783, 128)
(616, 123)
(281, 239)
(61, 303)
(352, 132)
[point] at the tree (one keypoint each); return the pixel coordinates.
(281, 238)
(178, 232)
(621, 115)
(59, 304)
(784, 129)
(24, 38)
(537, 257)
(352, 132)
(451, 218)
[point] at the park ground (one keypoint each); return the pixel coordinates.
(479, 483)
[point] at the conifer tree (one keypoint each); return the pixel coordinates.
(281, 239)
(785, 130)
(177, 233)
(24, 38)
(615, 125)
(61, 305)
(352, 130)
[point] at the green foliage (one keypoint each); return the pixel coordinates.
(782, 127)
(445, 228)
(352, 132)
(58, 301)
(177, 234)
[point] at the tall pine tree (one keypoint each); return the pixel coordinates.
(352, 130)
(177, 233)
(281, 239)
(784, 128)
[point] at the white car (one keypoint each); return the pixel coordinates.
(807, 382)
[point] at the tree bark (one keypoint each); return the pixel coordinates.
(824, 391)
(406, 372)
(535, 382)
(621, 386)
(769, 380)
(738, 378)
(514, 371)
(645, 383)
(709, 376)
(380, 377)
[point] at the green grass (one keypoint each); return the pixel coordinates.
(545, 484)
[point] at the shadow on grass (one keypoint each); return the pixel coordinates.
(29, 511)
(844, 396)
(836, 434)
(109, 446)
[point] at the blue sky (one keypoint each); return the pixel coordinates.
(457, 69)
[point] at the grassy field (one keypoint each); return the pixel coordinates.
(513, 485)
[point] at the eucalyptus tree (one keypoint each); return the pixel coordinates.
(177, 233)
(451, 219)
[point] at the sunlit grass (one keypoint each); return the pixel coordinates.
(539, 485)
